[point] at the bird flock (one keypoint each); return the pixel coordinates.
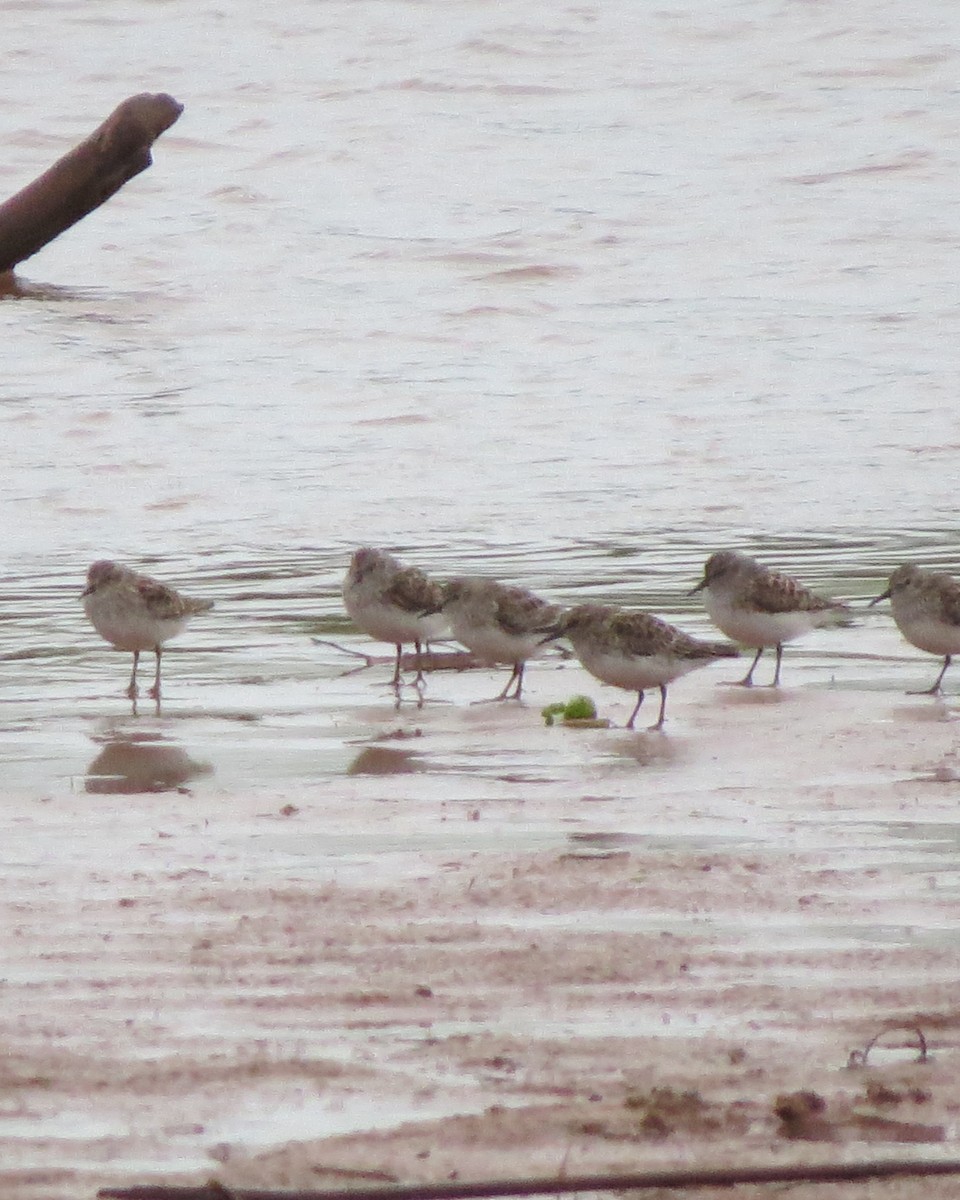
(755, 607)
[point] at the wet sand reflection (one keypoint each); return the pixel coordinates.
(134, 763)
(386, 760)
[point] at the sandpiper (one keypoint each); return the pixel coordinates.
(635, 650)
(388, 601)
(760, 608)
(926, 608)
(499, 623)
(135, 612)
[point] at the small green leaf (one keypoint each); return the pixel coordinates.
(551, 711)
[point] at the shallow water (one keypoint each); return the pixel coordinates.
(433, 282)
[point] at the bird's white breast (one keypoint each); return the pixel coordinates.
(752, 628)
(127, 625)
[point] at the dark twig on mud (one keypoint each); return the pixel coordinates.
(83, 179)
(858, 1058)
(721, 1177)
(368, 659)
(431, 660)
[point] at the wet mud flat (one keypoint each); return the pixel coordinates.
(383, 977)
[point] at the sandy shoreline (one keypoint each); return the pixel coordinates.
(205, 986)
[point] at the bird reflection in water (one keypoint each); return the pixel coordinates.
(386, 760)
(131, 763)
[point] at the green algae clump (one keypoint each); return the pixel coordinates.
(577, 708)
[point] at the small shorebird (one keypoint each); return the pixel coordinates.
(635, 650)
(388, 601)
(926, 608)
(498, 622)
(134, 612)
(759, 608)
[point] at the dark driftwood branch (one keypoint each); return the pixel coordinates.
(720, 1177)
(83, 179)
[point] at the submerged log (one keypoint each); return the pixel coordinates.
(83, 179)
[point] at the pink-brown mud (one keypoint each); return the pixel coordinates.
(184, 998)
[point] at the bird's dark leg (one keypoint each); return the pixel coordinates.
(419, 680)
(518, 668)
(633, 715)
(663, 707)
(132, 686)
(155, 690)
(396, 666)
(936, 689)
(747, 680)
(776, 674)
(515, 674)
